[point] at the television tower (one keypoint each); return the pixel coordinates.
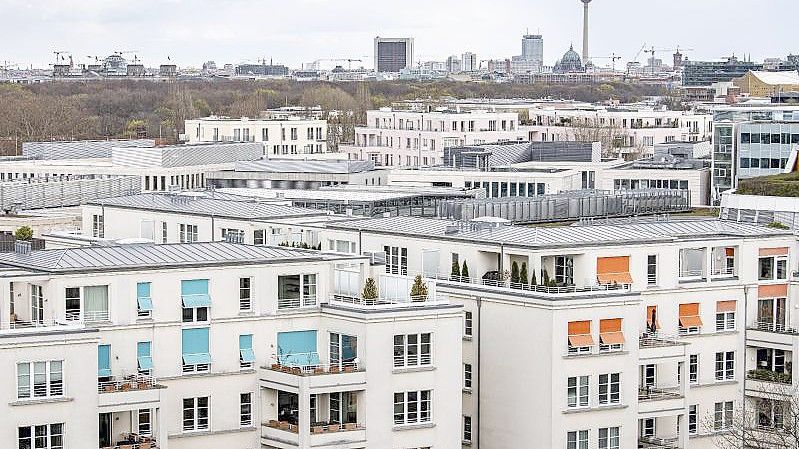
(585, 30)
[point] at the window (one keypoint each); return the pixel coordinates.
(609, 438)
(195, 300)
(40, 379)
(577, 392)
(164, 232)
(725, 365)
(188, 233)
(245, 300)
(564, 270)
(692, 419)
(693, 368)
(258, 237)
(246, 354)
(771, 414)
(45, 436)
(144, 302)
(725, 316)
(196, 356)
(343, 407)
(467, 376)
(296, 291)
(72, 303)
(412, 407)
(652, 269)
(577, 440)
(467, 324)
(412, 350)
(772, 268)
(195, 414)
(690, 321)
(579, 338)
(467, 429)
(343, 349)
(609, 391)
(245, 409)
(145, 421)
(98, 226)
(144, 358)
(722, 418)
(646, 427)
(233, 235)
(37, 304)
(396, 260)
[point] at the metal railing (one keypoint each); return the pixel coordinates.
(658, 340)
(295, 364)
(595, 349)
(770, 326)
(409, 301)
(33, 324)
(87, 317)
(127, 383)
(656, 394)
(691, 274)
(550, 290)
(722, 271)
(653, 442)
(138, 445)
(294, 303)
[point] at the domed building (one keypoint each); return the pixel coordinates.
(570, 62)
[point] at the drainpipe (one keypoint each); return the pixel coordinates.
(743, 402)
(479, 367)
(212, 228)
(501, 264)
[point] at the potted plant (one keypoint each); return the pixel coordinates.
(455, 274)
(369, 293)
(418, 289)
(465, 272)
(514, 273)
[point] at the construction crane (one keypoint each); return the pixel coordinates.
(613, 58)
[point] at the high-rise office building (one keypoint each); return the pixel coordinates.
(454, 64)
(469, 62)
(705, 73)
(532, 57)
(393, 54)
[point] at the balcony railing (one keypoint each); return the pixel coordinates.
(769, 376)
(294, 303)
(692, 274)
(308, 364)
(572, 351)
(649, 340)
(722, 271)
(135, 441)
(88, 316)
(770, 326)
(127, 383)
(316, 428)
(35, 324)
(656, 394)
(550, 290)
(408, 301)
(646, 442)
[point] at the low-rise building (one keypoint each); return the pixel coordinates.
(282, 136)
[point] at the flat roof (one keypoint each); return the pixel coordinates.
(561, 236)
(203, 204)
(348, 194)
(150, 256)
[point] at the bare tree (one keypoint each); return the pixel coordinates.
(768, 421)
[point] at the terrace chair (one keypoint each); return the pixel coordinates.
(334, 427)
(145, 445)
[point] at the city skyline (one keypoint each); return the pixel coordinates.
(189, 36)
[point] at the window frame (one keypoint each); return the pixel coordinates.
(610, 382)
(53, 388)
(580, 386)
(413, 355)
(422, 402)
(245, 409)
(195, 419)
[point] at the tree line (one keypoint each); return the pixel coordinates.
(73, 110)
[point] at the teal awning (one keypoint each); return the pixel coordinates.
(297, 348)
(245, 348)
(196, 359)
(195, 346)
(195, 293)
(104, 361)
(193, 301)
(144, 355)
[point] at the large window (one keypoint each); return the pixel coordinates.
(40, 379)
(577, 392)
(343, 349)
(725, 365)
(564, 270)
(98, 226)
(196, 355)
(396, 260)
(609, 391)
(344, 407)
(296, 291)
(772, 268)
(725, 316)
(722, 417)
(693, 368)
(467, 376)
(577, 439)
(412, 350)
(45, 436)
(652, 269)
(145, 419)
(693, 419)
(195, 299)
(467, 324)
(771, 314)
(609, 438)
(467, 429)
(95, 303)
(195, 414)
(245, 294)
(412, 407)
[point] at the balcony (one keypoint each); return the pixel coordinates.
(97, 316)
(17, 326)
(128, 390)
(765, 375)
(656, 394)
(646, 442)
(769, 326)
(489, 280)
(313, 375)
(658, 347)
(296, 302)
(134, 441)
(322, 434)
(653, 401)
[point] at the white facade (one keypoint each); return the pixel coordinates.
(240, 365)
(404, 138)
(292, 137)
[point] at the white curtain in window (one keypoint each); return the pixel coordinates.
(95, 302)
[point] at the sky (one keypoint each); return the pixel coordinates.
(293, 32)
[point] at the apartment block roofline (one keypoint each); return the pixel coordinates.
(149, 256)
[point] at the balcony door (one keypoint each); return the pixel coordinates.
(105, 430)
(37, 304)
(771, 312)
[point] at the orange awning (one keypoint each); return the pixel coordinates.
(649, 311)
(726, 306)
(611, 338)
(610, 270)
(610, 325)
(772, 291)
(773, 251)
(579, 341)
(579, 327)
(691, 321)
(690, 309)
(729, 252)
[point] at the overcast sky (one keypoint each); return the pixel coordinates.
(297, 31)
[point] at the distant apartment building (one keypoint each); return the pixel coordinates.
(621, 130)
(705, 73)
(393, 54)
(283, 137)
(223, 345)
(470, 62)
(751, 140)
(393, 138)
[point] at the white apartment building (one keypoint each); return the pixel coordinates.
(283, 137)
(222, 345)
(631, 128)
(394, 138)
(638, 340)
